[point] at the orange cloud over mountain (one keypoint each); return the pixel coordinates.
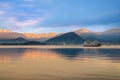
(8, 34)
(5, 31)
(43, 35)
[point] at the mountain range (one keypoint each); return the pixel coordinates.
(67, 38)
(110, 36)
(11, 41)
(19, 41)
(74, 37)
(7, 34)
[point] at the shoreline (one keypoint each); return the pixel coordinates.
(60, 46)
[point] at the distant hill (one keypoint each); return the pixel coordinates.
(11, 35)
(110, 36)
(67, 38)
(86, 34)
(17, 40)
(112, 31)
(7, 34)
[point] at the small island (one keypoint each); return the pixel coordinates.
(92, 44)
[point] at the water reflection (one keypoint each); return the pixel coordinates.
(79, 54)
(7, 55)
(59, 64)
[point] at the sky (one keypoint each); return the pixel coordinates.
(38, 16)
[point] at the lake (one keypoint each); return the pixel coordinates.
(59, 64)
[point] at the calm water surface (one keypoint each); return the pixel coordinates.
(59, 64)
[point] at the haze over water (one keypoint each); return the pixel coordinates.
(59, 64)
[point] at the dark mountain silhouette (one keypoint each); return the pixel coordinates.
(67, 38)
(33, 43)
(25, 43)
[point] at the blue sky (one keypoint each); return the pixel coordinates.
(40, 16)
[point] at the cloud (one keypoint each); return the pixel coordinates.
(42, 29)
(26, 23)
(5, 5)
(18, 20)
(16, 24)
(27, 5)
(2, 13)
(29, 0)
(43, 1)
